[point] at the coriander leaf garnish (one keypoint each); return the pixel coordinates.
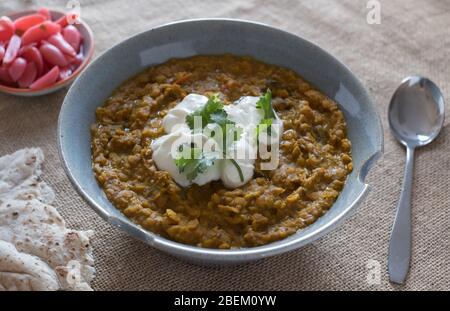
(196, 163)
(220, 117)
(265, 103)
(211, 113)
(241, 175)
(265, 125)
(212, 106)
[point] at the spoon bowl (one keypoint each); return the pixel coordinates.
(416, 112)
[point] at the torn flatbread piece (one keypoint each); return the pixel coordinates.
(24, 272)
(31, 230)
(20, 176)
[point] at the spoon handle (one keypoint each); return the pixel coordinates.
(400, 244)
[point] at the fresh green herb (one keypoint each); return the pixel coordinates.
(211, 113)
(195, 163)
(265, 103)
(241, 175)
(213, 106)
(265, 125)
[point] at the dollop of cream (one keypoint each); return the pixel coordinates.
(246, 116)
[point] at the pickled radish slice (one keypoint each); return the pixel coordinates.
(5, 77)
(79, 59)
(29, 75)
(46, 80)
(62, 21)
(17, 68)
(2, 51)
(76, 60)
(7, 28)
(25, 22)
(53, 55)
(45, 70)
(72, 36)
(70, 59)
(12, 50)
(40, 32)
(45, 13)
(32, 54)
(26, 47)
(58, 41)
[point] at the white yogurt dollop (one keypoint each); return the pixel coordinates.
(246, 116)
(165, 151)
(176, 117)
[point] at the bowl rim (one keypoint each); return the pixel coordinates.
(227, 256)
(87, 59)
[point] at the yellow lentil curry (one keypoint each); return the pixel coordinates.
(315, 155)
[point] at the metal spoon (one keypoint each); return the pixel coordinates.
(416, 115)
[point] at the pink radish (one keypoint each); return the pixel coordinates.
(40, 32)
(2, 51)
(25, 22)
(12, 50)
(45, 13)
(4, 76)
(32, 54)
(26, 47)
(53, 55)
(58, 41)
(70, 59)
(7, 28)
(79, 58)
(63, 21)
(17, 68)
(72, 36)
(46, 80)
(29, 75)
(46, 68)
(76, 60)
(74, 65)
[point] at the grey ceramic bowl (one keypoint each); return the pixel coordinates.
(217, 36)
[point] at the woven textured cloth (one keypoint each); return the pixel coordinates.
(413, 38)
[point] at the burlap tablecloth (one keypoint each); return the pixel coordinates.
(413, 37)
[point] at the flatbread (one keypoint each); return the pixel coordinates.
(20, 271)
(31, 230)
(20, 176)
